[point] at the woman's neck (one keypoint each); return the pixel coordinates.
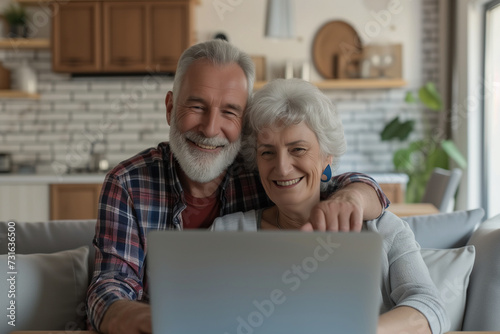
(286, 218)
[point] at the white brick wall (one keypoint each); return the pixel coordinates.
(129, 113)
(430, 40)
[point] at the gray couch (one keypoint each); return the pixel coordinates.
(50, 287)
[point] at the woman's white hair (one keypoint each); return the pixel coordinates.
(291, 101)
(219, 52)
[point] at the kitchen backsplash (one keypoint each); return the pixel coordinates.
(124, 115)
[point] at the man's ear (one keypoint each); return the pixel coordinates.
(169, 104)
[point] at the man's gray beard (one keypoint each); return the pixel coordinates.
(200, 166)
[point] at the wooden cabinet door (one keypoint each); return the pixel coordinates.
(125, 40)
(76, 37)
(393, 191)
(74, 201)
(170, 33)
(120, 36)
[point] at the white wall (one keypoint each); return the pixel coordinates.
(396, 21)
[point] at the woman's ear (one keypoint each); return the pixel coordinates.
(328, 161)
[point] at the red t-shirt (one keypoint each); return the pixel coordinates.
(200, 212)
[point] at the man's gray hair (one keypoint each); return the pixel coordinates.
(285, 102)
(219, 52)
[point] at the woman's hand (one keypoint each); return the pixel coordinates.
(345, 210)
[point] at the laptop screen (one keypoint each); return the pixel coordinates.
(264, 282)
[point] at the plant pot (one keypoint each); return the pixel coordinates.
(18, 31)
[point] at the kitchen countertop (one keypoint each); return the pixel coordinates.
(17, 179)
(389, 177)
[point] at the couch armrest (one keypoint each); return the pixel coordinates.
(483, 295)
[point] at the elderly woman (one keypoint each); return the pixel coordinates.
(294, 136)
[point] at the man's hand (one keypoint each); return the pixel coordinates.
(345, 210)
(127, 317)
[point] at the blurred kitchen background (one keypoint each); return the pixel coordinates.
(71, 126)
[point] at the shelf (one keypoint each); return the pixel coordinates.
(360, 84)
(33, 2)
(17, 94)
(24, 43)
(48, 2)
(351, 84)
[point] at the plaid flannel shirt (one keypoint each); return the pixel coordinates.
(142, 194)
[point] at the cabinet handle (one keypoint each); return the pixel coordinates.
(123, 61)
(166, 59)
(74, 61)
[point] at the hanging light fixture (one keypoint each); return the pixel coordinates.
(279, 20)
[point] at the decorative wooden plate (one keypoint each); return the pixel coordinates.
(333, 40)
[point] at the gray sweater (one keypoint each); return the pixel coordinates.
(405, 277)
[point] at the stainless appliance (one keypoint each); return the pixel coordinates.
(5, 163)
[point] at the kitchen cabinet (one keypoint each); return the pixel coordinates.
(120, 36)
(74, 201)
(170, 34)
(125, 36)
(76, 37)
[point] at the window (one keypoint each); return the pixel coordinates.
(491, 116)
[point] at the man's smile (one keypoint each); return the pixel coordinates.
(205, 147)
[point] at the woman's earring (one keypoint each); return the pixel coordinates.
(327, 174)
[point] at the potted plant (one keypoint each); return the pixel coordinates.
(420, 157)
(16, 18)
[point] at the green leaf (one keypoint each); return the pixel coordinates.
(409, 98)
(405, 129)
(454, 153)
(390, 129)
(397, 130)
(436, 157)
(417, 145)
(430, 97)
(402, 160)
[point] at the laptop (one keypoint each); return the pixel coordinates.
(264, 282)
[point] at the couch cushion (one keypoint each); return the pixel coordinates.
(483, 297)
(450, 270)
(50, 237)
(445, 230)
(46, 293)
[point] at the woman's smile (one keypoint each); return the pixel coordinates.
(288, 183)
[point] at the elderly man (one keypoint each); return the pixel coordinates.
(189, 181)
